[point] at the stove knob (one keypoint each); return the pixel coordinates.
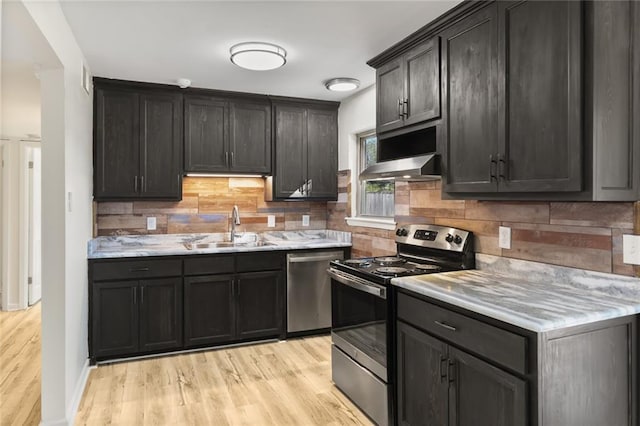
(457, 239)
(449, 238)
(404, 232)
(399, 232)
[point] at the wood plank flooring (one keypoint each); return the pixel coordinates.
(284, 383)
(20, 367)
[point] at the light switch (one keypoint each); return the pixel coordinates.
(151, 223)
(305, 220)
(504, 237)
(631, 249)
(271, 221)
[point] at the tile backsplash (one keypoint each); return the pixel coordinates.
(581, 235)
(206, 207)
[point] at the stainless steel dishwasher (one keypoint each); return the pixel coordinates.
(309, 290)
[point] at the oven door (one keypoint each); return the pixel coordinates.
(359, 320)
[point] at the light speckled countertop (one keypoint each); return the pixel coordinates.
(174, 244)
(534, 296)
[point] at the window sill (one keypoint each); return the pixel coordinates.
(370, 222)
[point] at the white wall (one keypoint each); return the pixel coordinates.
(20, 100)
(66, 223)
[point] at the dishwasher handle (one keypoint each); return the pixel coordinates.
(307, 259)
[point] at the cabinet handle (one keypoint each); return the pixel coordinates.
(443, 372)
(142, 295)
(135, 296)
(400, 113)
(502, 165)
(232, 160)
(142, 269)
(135, 184)
(143, 188)
(451, 371)
(447, 326)
(493, 165)
(226, 158)
(405, 108)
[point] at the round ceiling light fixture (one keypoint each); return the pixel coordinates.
(342, 84)
(258, 56)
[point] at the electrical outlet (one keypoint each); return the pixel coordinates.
(305, 220)
(151, 223)
(631, 249)
(504, 237)
(271, 221)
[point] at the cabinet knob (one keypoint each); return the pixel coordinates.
(493, 166)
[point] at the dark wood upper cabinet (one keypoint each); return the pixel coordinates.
(137, 144)
(408, 88)
(470, 118)
(306, 152)
(540, 95)
(226, 135)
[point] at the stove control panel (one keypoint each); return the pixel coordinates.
(433, 236)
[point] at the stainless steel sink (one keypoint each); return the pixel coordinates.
(222, 244)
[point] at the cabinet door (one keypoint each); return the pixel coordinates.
(422, 83)
(116, 148)
(389, 95)
(483, 395)
(260, 305)
(206, 135)
(114, 318)
(209, 310)
(470, 72)
(291, 151)
(541, 111)
(250, 137)
(422, 378)
(161, 146)
(322, 151)
(160, 314)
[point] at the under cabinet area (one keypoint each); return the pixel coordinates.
(455, 367)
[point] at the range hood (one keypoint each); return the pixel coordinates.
(421, 167)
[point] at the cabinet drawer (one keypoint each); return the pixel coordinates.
(496, 344)
(263, 261)
(136, 269)
(208, 265)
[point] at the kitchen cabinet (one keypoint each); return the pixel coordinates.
(455, 367)
(513, 79)
(306, 152)
(239, 298)
(408, 88)
(137, 312)
(137, 143)
(227, 135)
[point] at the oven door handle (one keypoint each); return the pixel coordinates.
(358, 284)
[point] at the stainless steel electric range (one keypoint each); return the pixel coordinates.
(361, 305)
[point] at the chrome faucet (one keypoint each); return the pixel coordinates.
(235, 220)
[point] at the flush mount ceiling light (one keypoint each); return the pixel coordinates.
(342, 84)
(258, 56)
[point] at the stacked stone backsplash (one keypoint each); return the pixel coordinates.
(206, 207)
(582, 235)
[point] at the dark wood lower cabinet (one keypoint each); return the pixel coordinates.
(209, 310)
(115, 318)
(260, 304)
(160, 314)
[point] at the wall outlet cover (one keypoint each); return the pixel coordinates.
(151, 223)
(271, 221)
(631, 249)
(504, 237)
(305, 220)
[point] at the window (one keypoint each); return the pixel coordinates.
(375, 197)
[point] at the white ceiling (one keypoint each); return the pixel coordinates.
(160, 41)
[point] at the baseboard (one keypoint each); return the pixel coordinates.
(13, 307)
(77, 393)
(62, 422)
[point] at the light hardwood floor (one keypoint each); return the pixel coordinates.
(284, 383)
(20, 367)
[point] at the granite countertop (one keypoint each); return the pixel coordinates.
(174, 244)
(531, 295)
